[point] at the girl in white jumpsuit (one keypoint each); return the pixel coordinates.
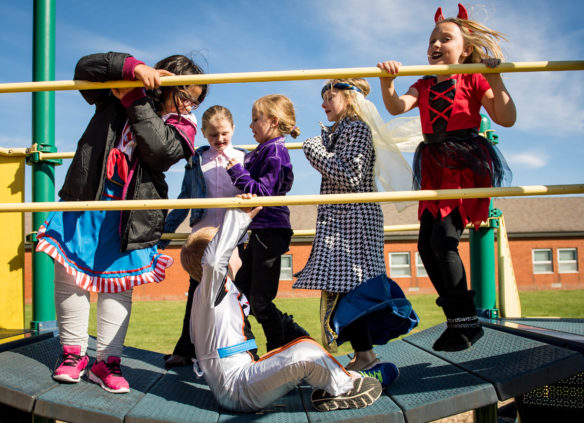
(238, 382)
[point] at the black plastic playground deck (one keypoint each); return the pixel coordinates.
(431, 385)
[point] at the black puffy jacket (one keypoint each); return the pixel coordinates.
(159, 146)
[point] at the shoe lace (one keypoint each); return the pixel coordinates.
(70, 360)
(114, 368)
(373, 373)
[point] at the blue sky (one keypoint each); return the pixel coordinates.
(544, 147)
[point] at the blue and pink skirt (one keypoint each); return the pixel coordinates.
(87, 244)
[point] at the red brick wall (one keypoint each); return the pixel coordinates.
(521, 253)
(176, 284)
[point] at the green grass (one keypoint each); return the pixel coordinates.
(156, 325)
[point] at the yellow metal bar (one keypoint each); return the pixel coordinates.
(291, 75)
(509, 301)
(311, 232)
(295, 200)
(69, 155)
(13, 152)
(307, 232)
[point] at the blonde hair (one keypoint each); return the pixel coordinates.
(193, 250)
(483, 40)
(279, 106)
(351, 109)
(215, 112)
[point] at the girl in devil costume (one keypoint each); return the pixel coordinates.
(453, 155)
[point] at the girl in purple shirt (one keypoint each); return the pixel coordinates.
(267, 171)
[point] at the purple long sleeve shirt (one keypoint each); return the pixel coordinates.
(266, 171)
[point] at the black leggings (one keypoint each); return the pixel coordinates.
(184, 347)
(438, 247)
(259, 276)
(358, 335)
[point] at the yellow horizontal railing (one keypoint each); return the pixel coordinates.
(226, 78)
(14, 152)
(296, 200)
(311, 232)
(24, 152)
(308, 232)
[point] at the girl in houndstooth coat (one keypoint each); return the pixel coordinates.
(348, 245)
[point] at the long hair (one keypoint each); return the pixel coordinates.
(351, 109)
(178, 65)
(279, 106)
(483, 40)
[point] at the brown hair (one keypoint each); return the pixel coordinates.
(350, 110)
(193, 249)
(215, 112)
(483, 40)
(178, 65)
(280, 107)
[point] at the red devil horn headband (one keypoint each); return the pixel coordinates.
(462, 13)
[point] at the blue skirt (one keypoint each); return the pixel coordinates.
(87, 244)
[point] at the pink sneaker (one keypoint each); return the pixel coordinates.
(72, 365)
(109, 376)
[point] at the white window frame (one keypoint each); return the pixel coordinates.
(283, 269)
(534, 262)
(420, 269)
(560, 261)
(400, 266)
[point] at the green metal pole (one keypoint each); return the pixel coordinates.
(482, 256)
(482, 264)
(43, 173)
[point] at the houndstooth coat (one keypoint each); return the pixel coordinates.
(348, 245)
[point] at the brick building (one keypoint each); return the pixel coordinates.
(546, 238)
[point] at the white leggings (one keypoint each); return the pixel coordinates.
(72, 306)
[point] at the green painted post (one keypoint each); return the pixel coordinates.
(482, 275)
(43, 173)
(482, 255)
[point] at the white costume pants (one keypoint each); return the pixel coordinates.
(241, 384)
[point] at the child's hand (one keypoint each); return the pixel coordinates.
(232, 162)
(491, 62)
(150, 77)
(251, 212)
(391, 67)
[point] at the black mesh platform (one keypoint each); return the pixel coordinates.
(512, 364)
(573, 326)
(87, 402)
(25, 373)
(431, 385)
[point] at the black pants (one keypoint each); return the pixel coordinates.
(259, 277)
(184, 347)
(358, 335)
(438, 247)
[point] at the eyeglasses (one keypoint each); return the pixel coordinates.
(188, 100)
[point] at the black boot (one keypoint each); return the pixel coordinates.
(463, 328)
